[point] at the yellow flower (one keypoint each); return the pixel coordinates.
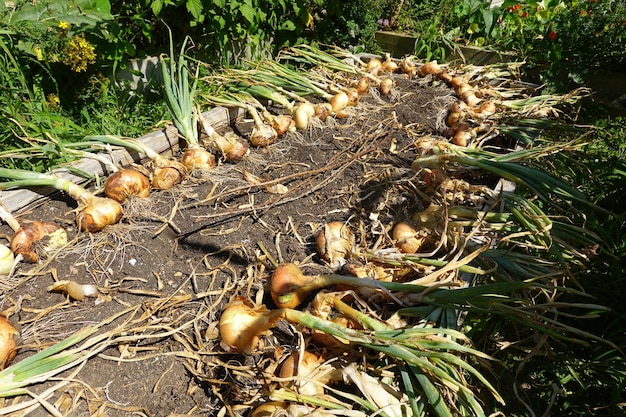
(78, 53)
(63, 25)
(53, 100)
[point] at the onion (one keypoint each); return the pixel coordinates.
(445, 76)
(9, 338)
(456, 82)
(334, 243)
(353, 96)
(323, 110)
(407, 66)
(231, 146)
(125, 183)
(167, 174)
(407, 238)
(363, 85)
(29, 234)
(430, 68)
(99, 213)
(263, 135)
(463, 134)
(302, 115)
(7, 258)
(198, 158)
(486, 109)
(385, 86)
(373, 66)
(339, 101)
(469, 97)
(304, 369)
(282, 124)
(389, 66)
(241, 325)
(454, 118)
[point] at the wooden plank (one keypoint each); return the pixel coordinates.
(164, 141)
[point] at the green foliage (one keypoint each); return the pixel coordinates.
(226, 32)
(349, 24)
(566, 38)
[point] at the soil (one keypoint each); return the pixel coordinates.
(178, 256)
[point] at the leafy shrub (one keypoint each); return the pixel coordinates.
(563, 38)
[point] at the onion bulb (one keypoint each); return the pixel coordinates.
(407, 239)
(385, 86)
(125, 183)
(282, 124)
(353, 96)
(463, 133)
(339, 101)
(231, 146)
(469, 97)
(34, 239)
(6, 260)
(323, 110)
(445, 76)
(334, 243)
(456, 82)
(363, 85)
(167, 174)
(389, 66)
(95, 213)
(486, 109)
(374, 66)
(74, 290)
(198, 158)
(430, 68)
(242, 325)
(289, 286)
(407, 66)
(9, 338)
(302, 115)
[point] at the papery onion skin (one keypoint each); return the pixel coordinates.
(282, 124)
(323, 110)
(101, 212)
(389, 66)
(241, 325)
(232, 147)
(294, 367)
(302, 115)
(30, 233)
(125, 183)
(363, 85)
(9, 339)
(334, 243)
(373, 66)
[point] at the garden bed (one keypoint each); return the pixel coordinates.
(180, 255)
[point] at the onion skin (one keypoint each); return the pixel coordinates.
(98, 214)
(125, 183)
(30, 233)
(9, 338)
(334, 243)
(323, 110)
(389, 66)
(282, 124)
(301, 369)
(230, 146)
(270, 409)
(374, 66)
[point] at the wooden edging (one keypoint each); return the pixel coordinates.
(164, 141)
